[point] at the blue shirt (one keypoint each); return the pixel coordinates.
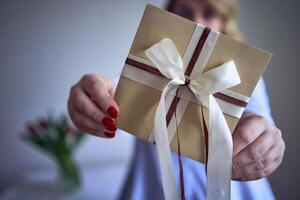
(143, 180)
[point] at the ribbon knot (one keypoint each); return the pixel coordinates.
(187, 82)
(168, 61)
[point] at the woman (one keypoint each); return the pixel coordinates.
(258, 146)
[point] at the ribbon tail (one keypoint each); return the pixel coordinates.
(219, 154)
(163, 147)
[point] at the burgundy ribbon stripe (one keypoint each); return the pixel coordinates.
(155, 71)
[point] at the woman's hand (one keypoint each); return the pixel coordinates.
(91, 106)
(258, 148)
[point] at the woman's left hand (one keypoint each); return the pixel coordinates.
(258, 148)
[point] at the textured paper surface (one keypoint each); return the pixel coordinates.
(138, 102)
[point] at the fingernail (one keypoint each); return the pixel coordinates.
(109, 135)
(112, 112)
(108, 122)
(112, 128)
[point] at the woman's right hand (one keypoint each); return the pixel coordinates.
(91, 106)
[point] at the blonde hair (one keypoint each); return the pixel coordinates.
(229, 10)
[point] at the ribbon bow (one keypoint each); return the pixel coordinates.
(168, 61)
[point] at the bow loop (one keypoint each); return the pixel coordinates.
(167, 59)
(216, 80)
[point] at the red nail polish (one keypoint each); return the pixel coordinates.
(112, 112)
(113, 128)
(109, 135)
(108, 122)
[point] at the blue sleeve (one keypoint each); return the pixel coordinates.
(259, 101)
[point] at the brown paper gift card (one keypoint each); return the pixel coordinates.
(138, 101)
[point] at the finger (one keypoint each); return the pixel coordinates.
(255, 150)
(99, 92)
(86, 124)
(84, 105)
(257, 165)
(241, 173)
(274, 155)
(247, 131)
(281, 149)
(261, 173)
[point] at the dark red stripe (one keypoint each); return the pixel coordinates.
(197, 51)
(189, 69)
(176, 99)
(205, 140)
(153, 70)
(179, 158)
(143, 67)
(230, 99)
(172, 108)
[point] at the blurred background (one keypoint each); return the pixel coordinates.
(46, 46)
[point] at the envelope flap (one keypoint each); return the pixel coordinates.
(157, 24)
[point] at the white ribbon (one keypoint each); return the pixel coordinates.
(167, 59)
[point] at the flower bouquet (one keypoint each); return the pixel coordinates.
(57, 138)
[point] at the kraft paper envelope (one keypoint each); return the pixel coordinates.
(138, 101)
